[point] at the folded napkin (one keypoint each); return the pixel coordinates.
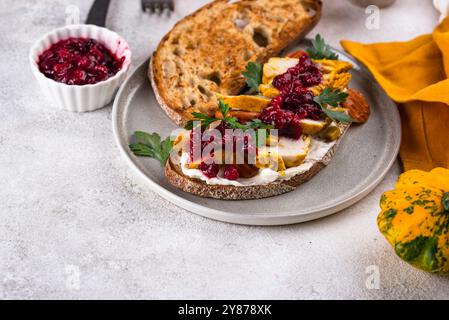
(415, 75)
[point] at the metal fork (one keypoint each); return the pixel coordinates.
(157, 6)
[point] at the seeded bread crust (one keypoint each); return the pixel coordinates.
(206, 52)
(198, 187)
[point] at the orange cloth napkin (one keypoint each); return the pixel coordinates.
(415, 75)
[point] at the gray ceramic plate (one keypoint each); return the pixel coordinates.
(361, 161)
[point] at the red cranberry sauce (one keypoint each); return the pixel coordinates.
(295, 101)
(79, 61)
(286, 121)
(304, 74)
(231, 172)
(209, 168)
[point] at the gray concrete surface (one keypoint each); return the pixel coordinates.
(75, 223)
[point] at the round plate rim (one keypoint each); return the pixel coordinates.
(254, 218)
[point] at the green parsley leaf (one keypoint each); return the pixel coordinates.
(199, 116)
(189, 125)
(320, 50)
(333, 98)
(253, 75)
(150, 145)
(142, 150)
(233, 122)
(258, 124)
(203, 119)
(339, 116)
(166, 147)
(153, 140)
(223, 107)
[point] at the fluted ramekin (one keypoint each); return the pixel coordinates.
(81, 98)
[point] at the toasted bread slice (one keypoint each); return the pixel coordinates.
(198, 187)
(206, 52)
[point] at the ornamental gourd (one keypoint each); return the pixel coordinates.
(415, 219)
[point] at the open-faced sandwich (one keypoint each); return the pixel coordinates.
(256, 130)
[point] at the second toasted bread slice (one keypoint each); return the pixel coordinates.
(206, 52)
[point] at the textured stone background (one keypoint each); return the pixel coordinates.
(71, 210)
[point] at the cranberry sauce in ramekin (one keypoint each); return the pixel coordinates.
(79, 61)
(80, 67)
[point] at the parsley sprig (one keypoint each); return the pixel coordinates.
(320, 50)
(253, 75)
(333, 98)
(150, 145)
(232, 122)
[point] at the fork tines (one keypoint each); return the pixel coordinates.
(157, 6)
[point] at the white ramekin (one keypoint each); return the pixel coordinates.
(86, 97)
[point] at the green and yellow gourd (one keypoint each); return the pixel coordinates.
(415, 219)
